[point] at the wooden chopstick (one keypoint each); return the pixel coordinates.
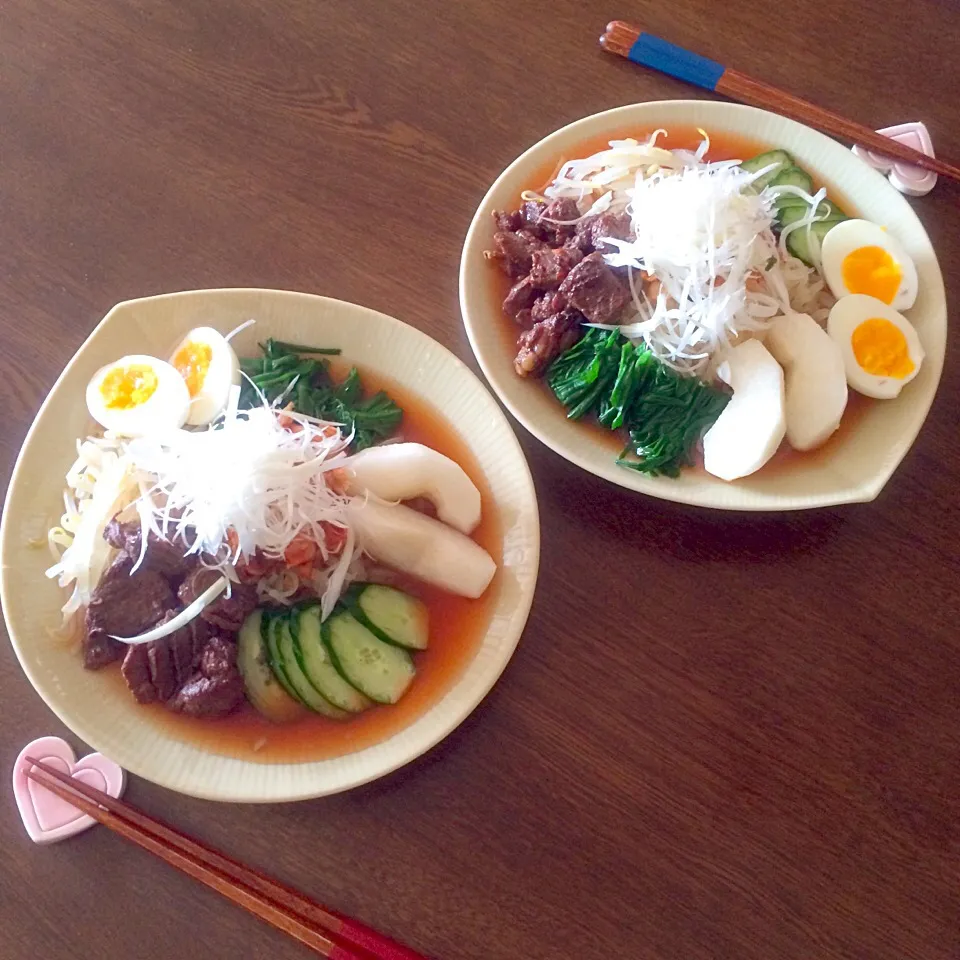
(281, 906)
(628, 41)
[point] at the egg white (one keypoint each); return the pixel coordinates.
(851, 235)
(847, 314)
(165, 409)
(222, 374)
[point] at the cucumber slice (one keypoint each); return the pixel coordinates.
(798, 245)
(390, 614)
(314, 660)
(793, 177)
(828, 207)
(377, 669)
(268, 629)
(262, 687)
(779, 157)
(305, 690)
(826, 211)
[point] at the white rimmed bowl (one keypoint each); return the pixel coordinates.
(114, 724)
(852, 470)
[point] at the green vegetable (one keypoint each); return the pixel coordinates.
(780, 158)
(664, 413)
(292, 667)
(389, 614)
(788, 206)
(279, 348)
(793, 177)
(315, 394)
(798, 243)
(581, 375)
(669, 416)
(380, 671)
(314, 660)
(826, 212)
(262, 687)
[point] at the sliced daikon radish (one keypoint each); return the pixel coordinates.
(421, 546)
(402, 471)
(814, 376)
(751, 427)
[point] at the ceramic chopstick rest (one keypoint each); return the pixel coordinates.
(46, 817)
(908, 179)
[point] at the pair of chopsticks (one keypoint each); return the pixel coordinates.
(634, 44)
(327, 933)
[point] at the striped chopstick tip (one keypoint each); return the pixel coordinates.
(632, 43)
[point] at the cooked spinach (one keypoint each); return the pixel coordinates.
(283, 375)
(625, 386)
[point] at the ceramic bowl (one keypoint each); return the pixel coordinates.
(111, 721)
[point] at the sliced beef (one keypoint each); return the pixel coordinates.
(539, 346)
(557, 219)
(521, 297)
(549, 266)
(609, 225)
(510, 221)
(119, 534)
(136, 671)
(215, 688)
(595, 290)
(592, 230)
(583, 235)
(530, 216)
(524, 319)
(99, 650)
(162, 670)
(156, 670)
(227, 613)
(560, 277)
(118, 571)
(128, 605)
(547, 305)
(163, 556)
(186, 644)
(571, 252)
(123, 604)
(514, 251)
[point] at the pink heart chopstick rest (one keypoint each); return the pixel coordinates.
(46, 817)
(908, 179)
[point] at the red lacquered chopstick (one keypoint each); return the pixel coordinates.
(631, 42)
(328, 933)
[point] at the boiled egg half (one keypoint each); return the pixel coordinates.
(881, 350)
(861, 257)
(137, 395)
(209, 367)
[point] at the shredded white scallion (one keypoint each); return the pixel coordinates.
(705, 234)
(251, 484)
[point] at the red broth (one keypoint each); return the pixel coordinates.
(457, 627)
(723, 146)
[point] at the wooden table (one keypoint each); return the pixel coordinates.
(721, 736)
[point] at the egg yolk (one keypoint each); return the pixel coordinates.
(124, 388)
(871, 270)
(192, 361)
(881, 348)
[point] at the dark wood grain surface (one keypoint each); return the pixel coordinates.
(721, 736)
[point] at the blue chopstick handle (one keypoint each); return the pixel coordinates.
(668, 58)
